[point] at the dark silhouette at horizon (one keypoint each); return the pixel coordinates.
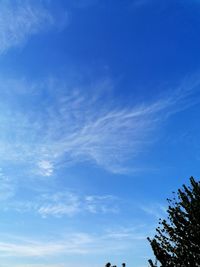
(109, 265)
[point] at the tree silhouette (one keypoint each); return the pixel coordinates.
(177, 240)
(109, 265)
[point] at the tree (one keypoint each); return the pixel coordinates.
(177, 239)
(109, 265)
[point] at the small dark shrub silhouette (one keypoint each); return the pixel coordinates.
(177, 241)
(109, 265)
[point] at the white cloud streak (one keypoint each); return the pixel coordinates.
(21, 19)
(74, 243)
(7, 187)
(67, 204)
(77, 126)
(155, 210)
(45, 168)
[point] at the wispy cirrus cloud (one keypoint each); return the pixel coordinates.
(7, 187)
(66, 204)
(77, 243)
(21, 19)
(155, 210)
(74, 125)
(45, 168)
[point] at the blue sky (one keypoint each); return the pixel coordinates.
(99, 112)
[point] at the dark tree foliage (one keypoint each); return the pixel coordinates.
(109, 265)
(177, 240)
